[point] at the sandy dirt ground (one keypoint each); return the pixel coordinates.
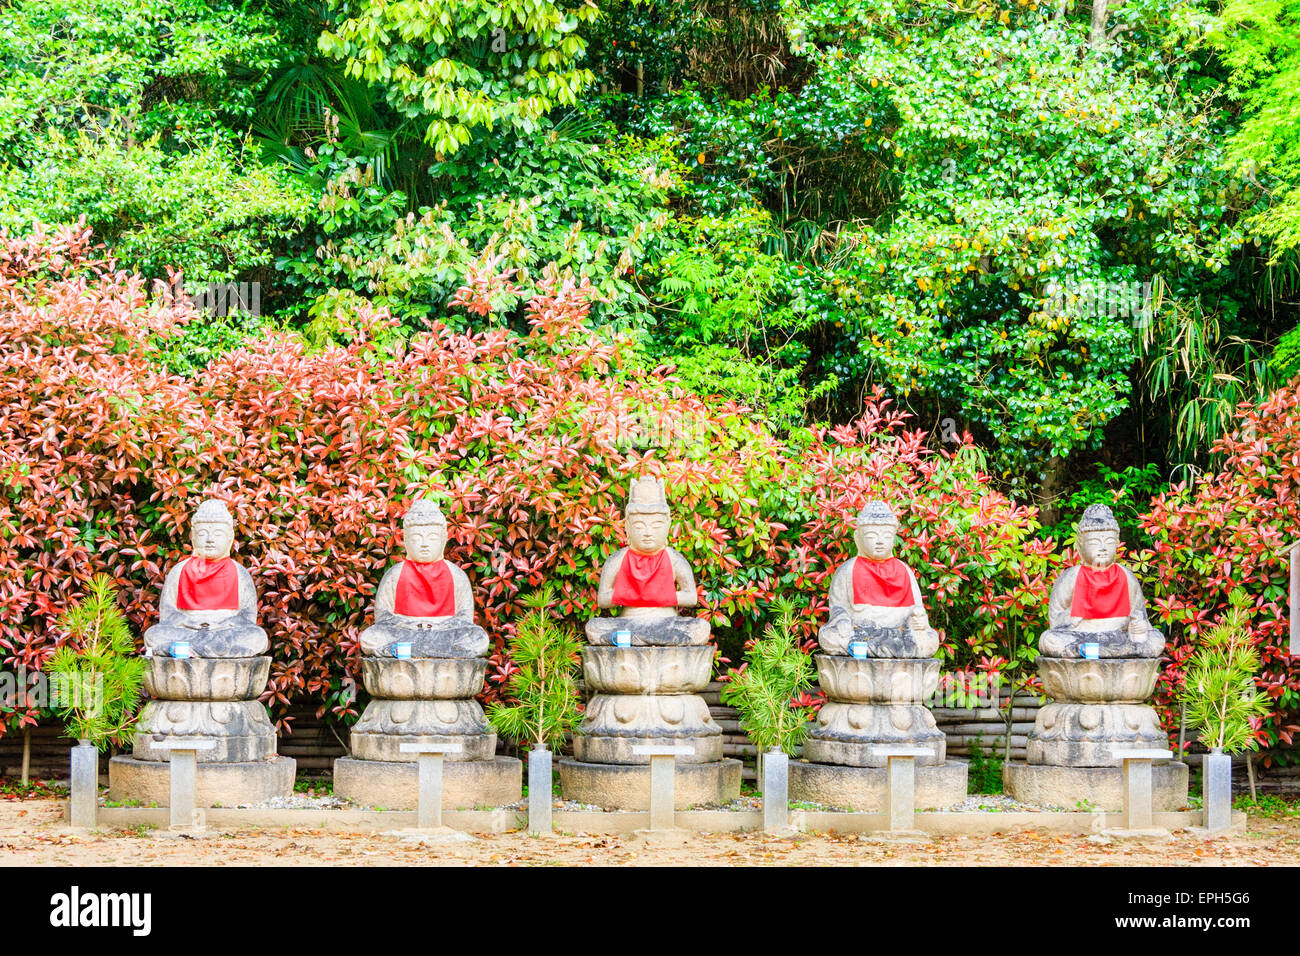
(32, 833)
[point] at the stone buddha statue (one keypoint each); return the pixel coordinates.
(647, 581)
(425, 600)
(1098, 601)
(208, 600)
(874, 598)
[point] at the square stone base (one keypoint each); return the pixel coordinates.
(867, 788)
(215, 784)
(627, 786)
(1100, 788)
(395, 785)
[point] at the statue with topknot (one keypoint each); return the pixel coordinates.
(878, 671)
(645, 670)
(1099, 661)
(874, 597)
(647, 581)
(423, 664)
(208, 600)
(424, 600)
(1099, 601)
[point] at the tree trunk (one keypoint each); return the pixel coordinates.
(1049, 492)
(1097, 35)
(27, 753)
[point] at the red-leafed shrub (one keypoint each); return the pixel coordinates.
(529, 438)
(1231, 530)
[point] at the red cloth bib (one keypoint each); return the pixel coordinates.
(645, 580)
(1100, 593)
(208, 585)
(882, 583)
(425, 589)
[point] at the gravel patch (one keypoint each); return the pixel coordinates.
(991, 802)
(299, 801)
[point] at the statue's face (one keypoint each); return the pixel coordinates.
(1097, 548)
(647, 533)
(876, 541)
(211, 540)
(425, 542)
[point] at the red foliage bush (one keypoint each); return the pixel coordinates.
(530, 438)
(1232, 530)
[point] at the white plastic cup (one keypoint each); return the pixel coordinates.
(181, 650)
(858, 650)
(622, 638)
(1091, 651)
(402, 650)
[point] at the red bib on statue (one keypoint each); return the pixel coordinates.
(425, 589)
(882, 583)
(208, 585)
(1100, 593)
(645, 580)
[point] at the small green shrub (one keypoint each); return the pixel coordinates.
(1219, 690)
(985, 771)
(770, 688)
(97, 672)
(542, 686)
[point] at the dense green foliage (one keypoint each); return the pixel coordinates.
(1259, 41)
(131, 115)
(1069, 249)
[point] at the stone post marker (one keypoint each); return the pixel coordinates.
(776, 791)
(428, 810)
(662, 779)
(423, 664)
(1216, 792)
(83, 802)
(182, 761)
(877, 669)
(1099, 661)
(646, 667)
(207, 668)
(539, 791)
(902, 785)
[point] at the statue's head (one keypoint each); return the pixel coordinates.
(876, 532)
(212, 530)
(424, 532)
(647, 519)
(1097, 538)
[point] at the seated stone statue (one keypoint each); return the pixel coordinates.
(647, 581)
(1098, 601)
(874, 598)
(424, 601)
(208, 600)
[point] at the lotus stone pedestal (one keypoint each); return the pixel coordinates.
(213, 700)
(647, 695)
(873, 702)
(1097, 706)
(425, 701)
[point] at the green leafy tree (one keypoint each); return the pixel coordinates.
(1219, 688)
(461, 64)
(134, 114)
(542, 693)
(769, 688)
(97, 673)
(1258, 39)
